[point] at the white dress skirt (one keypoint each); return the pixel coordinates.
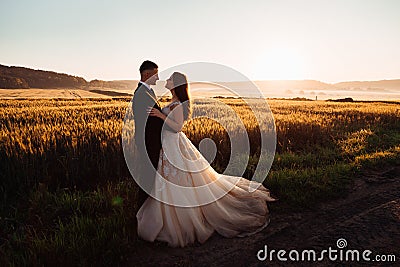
(190, 200)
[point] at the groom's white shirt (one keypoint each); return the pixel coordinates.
(147, 86)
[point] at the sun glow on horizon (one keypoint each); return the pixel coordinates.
(280, 63)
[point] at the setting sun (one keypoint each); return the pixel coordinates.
(280, 63)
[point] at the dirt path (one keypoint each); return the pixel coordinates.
(368, 217)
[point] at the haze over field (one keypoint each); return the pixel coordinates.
(270, 89)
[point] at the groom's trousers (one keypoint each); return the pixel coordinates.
(149, 162)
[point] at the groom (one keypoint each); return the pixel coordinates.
(147, 128)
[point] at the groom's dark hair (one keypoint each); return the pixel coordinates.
(148, 65)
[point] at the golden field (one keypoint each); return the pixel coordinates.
(66, 193)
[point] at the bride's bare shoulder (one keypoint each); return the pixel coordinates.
(173, 105)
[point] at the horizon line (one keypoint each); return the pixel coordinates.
(252, 80)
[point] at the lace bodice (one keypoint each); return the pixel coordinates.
(167, 109)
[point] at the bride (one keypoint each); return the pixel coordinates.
(237, 212)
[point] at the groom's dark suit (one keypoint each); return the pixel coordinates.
(147, 137)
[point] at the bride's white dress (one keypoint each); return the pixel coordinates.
(240, 212)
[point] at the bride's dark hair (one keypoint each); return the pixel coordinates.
(181, 89)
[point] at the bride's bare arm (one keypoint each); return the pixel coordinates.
(175, 118)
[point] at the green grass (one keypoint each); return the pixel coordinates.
(71, 227)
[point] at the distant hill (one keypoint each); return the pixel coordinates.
(24, 78)
(295, 85)
(310, 85)
(118, 84)
(20, 77)
(383, 85)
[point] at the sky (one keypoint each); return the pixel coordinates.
(326, 40)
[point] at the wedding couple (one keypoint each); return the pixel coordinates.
(172, 169)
